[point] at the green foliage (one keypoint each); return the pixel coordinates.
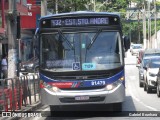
(134, 30)
(114, 5)
(68, 5)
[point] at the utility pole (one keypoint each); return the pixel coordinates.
(138, 27)
(56, 6)
(3, 14)
(12, 32)
(94, 4)
(155, 25)
(149, 25)
(43, 7)
(144, 26)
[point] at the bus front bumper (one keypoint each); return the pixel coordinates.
(99, 96)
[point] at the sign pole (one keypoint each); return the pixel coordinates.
(12, 32)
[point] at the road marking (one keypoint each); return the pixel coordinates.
(138, 100)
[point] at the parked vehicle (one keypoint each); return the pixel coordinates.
(140, 57)
(151, 52)
(158, 83)
(147, 53)
(150, 76)
(131, 47)
(30, 66)
(136, 48)
(142, 65)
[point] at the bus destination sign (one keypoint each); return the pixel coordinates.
(80, 21)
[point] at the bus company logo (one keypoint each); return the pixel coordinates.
(81, 84)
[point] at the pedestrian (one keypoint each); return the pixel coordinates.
(4, 65)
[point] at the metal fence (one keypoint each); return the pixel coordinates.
(17, 93)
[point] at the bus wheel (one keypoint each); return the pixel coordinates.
(117, 107)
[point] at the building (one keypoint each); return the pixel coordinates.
(29, 12)
(22, 9)
(28, 26)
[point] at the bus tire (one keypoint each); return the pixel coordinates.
(117, 107)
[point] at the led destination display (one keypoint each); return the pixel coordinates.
(80, 21)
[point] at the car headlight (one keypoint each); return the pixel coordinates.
(30, 65)
(152, 74)
(115, 84)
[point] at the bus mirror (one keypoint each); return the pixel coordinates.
(36, 32)
(126, 43)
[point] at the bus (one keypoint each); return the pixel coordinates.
(81, 59)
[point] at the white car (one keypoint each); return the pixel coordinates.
(150, 75)
(136, 48)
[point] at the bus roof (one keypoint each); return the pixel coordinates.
(81, 13)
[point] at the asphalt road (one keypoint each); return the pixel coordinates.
(136, 99)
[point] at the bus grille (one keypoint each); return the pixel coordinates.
(84, 88)
(91, 99)
(88, 77)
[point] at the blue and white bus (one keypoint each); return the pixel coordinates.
(82, 59)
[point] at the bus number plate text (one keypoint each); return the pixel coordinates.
(98, 83)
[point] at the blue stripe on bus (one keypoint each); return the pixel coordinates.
(87, 83)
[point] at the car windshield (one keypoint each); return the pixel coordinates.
(155, 64)
(98, 50)
(137, 47)
(151, 54)
(145, 61)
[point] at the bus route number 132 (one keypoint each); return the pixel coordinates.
(98, 82)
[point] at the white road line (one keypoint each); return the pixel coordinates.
(132, 77)
(134, 97)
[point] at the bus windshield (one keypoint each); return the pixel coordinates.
(81, 51)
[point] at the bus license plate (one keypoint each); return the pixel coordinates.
(82, 98)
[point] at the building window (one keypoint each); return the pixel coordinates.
(38, 2)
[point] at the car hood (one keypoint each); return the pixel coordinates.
(153, 70)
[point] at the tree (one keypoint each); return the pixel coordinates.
(67, 5)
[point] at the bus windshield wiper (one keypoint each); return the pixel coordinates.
(94, 39)
(60, 32)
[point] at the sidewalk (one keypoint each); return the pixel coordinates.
(23, 96)
(28, 108)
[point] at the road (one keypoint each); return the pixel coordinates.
(136, 98)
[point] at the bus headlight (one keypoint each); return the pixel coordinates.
(51, 88)
(115, 84)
